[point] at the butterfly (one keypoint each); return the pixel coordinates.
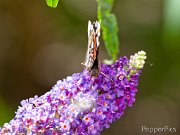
(91, 62)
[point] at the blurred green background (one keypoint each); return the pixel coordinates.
(40, 45)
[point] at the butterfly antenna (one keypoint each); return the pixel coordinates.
(106, 75)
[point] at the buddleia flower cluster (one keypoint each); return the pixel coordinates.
(80, 104)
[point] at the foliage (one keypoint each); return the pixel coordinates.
(109, 27)
(52, 3)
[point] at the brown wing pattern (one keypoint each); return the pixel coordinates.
(91, 61)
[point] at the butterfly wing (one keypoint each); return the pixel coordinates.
(93, 45)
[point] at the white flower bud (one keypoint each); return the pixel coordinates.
(138, 60)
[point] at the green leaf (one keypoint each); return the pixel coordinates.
(109, 27)
(52, 3)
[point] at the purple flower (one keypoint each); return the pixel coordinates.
(80, 104)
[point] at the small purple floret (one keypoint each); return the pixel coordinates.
(80, 104)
